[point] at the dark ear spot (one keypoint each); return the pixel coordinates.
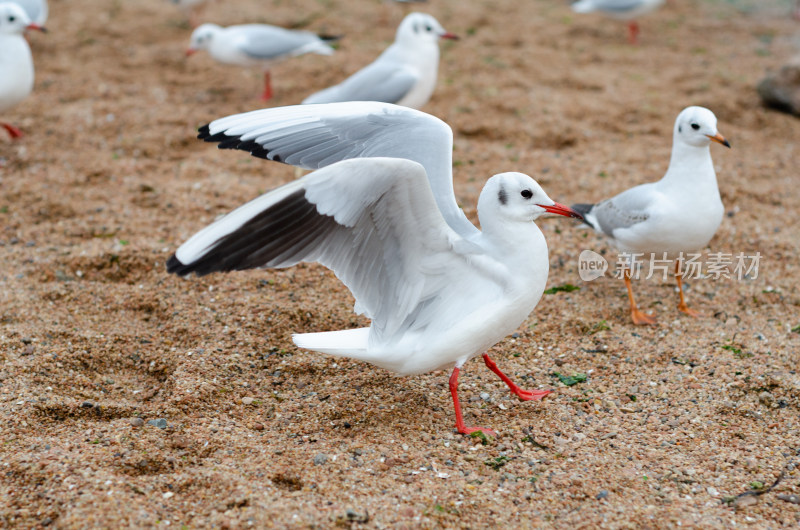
(680, 128)
(502, 196)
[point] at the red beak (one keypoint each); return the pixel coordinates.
(190, 52)
(449, 36)
(560, 209)
(37, 27)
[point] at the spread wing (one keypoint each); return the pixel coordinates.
(373, 221)
(314, 136)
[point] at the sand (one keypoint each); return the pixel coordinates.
(100, 348)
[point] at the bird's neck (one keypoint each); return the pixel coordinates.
(690, 166)
(520, 244)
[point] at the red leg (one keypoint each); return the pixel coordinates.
(460, 427)
(524, 395)
(633, 32)
(13, 131)
(267, 95)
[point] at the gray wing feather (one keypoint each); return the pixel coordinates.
(622, 211)
(387, 83)
(264, 42)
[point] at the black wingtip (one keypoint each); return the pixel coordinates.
(204, 131)
(330, 38)
(174, 266)
(583, 209)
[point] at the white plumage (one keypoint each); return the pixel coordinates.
(16, 62)
(679, 213)
(437, 293)
(259, 45)
(405, 73)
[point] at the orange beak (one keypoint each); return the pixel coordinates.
(190, 52)
(449, 36)
(37, 27)
(560, 209)
(720, 140)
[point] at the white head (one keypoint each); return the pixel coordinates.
(697, 126)
(202, 37)
(421, 28)
(14, 20)
(516, 197)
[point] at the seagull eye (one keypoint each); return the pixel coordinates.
(527, 194)
(12, 18)
(428, 28)
(695, 126)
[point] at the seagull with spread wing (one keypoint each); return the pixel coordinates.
(382, 215)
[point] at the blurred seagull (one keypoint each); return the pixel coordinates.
(621, 10)
(438, 290)
(16, 62)
(679, 213)
(190, 8)
(256, 45)
(36, 10)
(405, 73)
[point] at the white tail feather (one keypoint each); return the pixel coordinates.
(345, 343)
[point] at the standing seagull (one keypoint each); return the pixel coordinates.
(405, 73)
(16, 63)
(438, 290)
(621, 10)
(191, 8)
(36, 10)
(679, 213)
(256, 45)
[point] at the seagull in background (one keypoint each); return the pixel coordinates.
(16, 62)
(190, 8)
(405, 73)
(37, 10)
(256, 45)
(679, 213)
(382, 215)
(621, 10)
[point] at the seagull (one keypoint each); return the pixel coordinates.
(621, 10)
(679, 213)
(190, 8)
(256, 45)
(405, 73)
(16, 62)
(382, 215)
(36, 10)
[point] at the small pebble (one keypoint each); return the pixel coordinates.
(747, 500)
(258, 427)
(320, 459)
(794, 499)
(485, 396)
(136, 422)
(248, 400)
(161, 423)
(87, 404)
(602, 495)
